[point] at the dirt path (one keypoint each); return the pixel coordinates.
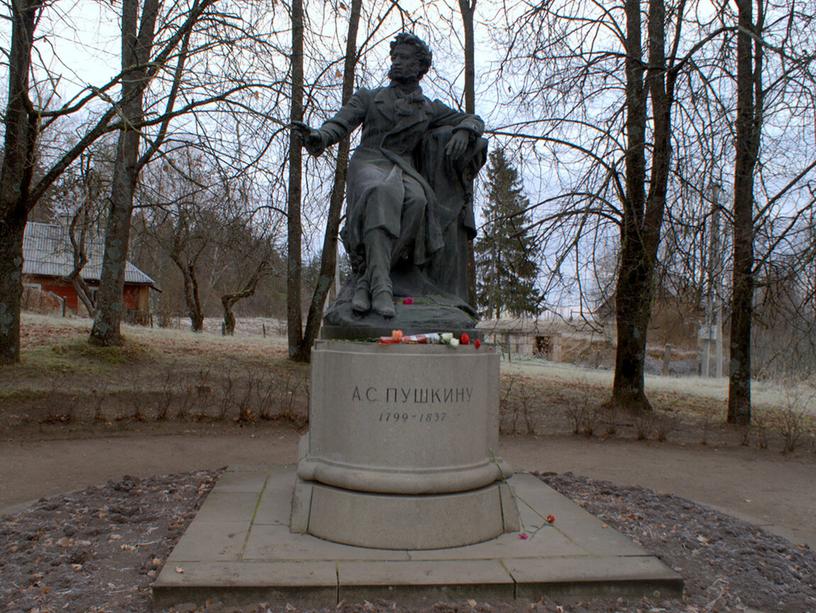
(762, 487)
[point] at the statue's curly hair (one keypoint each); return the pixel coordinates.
(423, 50)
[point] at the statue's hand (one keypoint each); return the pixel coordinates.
(458, 144)
(312, 140)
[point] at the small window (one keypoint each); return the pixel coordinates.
(543, 346)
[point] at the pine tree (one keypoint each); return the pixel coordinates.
(506, 258)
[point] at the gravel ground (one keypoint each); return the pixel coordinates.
(100, 548)
(97, 549)
(727, 564)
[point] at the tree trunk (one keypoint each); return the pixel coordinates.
(635, 272)
(15, 176)
(136, 45)
(79, 225)
(661, 88)
(192, 298)
(83, 293)
(230, 300)
(634, 283)
(110, 299)
(294, 228)
(11, 289)
(328, 260)
(467, 9)
(747, 141)
(229, 320)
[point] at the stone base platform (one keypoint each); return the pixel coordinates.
(240, 550)
(433, 521)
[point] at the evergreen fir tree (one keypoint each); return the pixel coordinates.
(506, 258)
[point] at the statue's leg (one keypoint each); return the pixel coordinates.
(379, 245)
(411, 218)
(361, 301)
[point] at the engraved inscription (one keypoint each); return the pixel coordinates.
(435, 417)
(412, 395)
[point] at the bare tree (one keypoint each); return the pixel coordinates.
(36, 109)
(748, 128)
(25, 176)
(467, 9)
(294, 316)
(184, 206)
(613, 153)
(317, 185)
(16, 174)
(643, 218)
(138, 24)
(249, 287)
(245, 246)
(206, 225)
(189, 242)
(84, 219)
(774, 89)
(751, 107)
(328, 260)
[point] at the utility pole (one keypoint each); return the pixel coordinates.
(712, 332)
(718, 342)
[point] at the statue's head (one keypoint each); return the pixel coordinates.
(411, 58)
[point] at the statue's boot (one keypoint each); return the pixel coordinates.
(361, 301)
(383, 303)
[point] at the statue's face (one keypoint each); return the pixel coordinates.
(405, 66)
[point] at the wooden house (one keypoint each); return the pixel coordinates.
(48, 260)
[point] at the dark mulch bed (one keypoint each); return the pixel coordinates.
(99, 549)
(727, 564)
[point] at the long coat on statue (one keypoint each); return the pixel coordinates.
(383, 173)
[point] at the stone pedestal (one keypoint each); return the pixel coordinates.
(401, 450)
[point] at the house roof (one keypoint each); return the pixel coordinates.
(531, 326)
(47, 252)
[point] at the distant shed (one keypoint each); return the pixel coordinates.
(48, 260)
(526, 336)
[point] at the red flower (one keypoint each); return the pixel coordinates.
(465, 338)
(408, 300)
(550, 519)
(524, 536)
(477, 343)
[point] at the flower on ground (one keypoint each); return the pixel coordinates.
(408, 300)
(465, 338)
(550, 519)
(524, 536)
(477, 343)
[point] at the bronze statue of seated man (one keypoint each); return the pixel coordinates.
(393, 216)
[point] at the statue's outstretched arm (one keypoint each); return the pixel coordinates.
(311, 138)
(347, 118)
(335, 129)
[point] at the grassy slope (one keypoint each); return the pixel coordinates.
(711, 391)
(162, 375)
(63, 378)
(58, 347)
